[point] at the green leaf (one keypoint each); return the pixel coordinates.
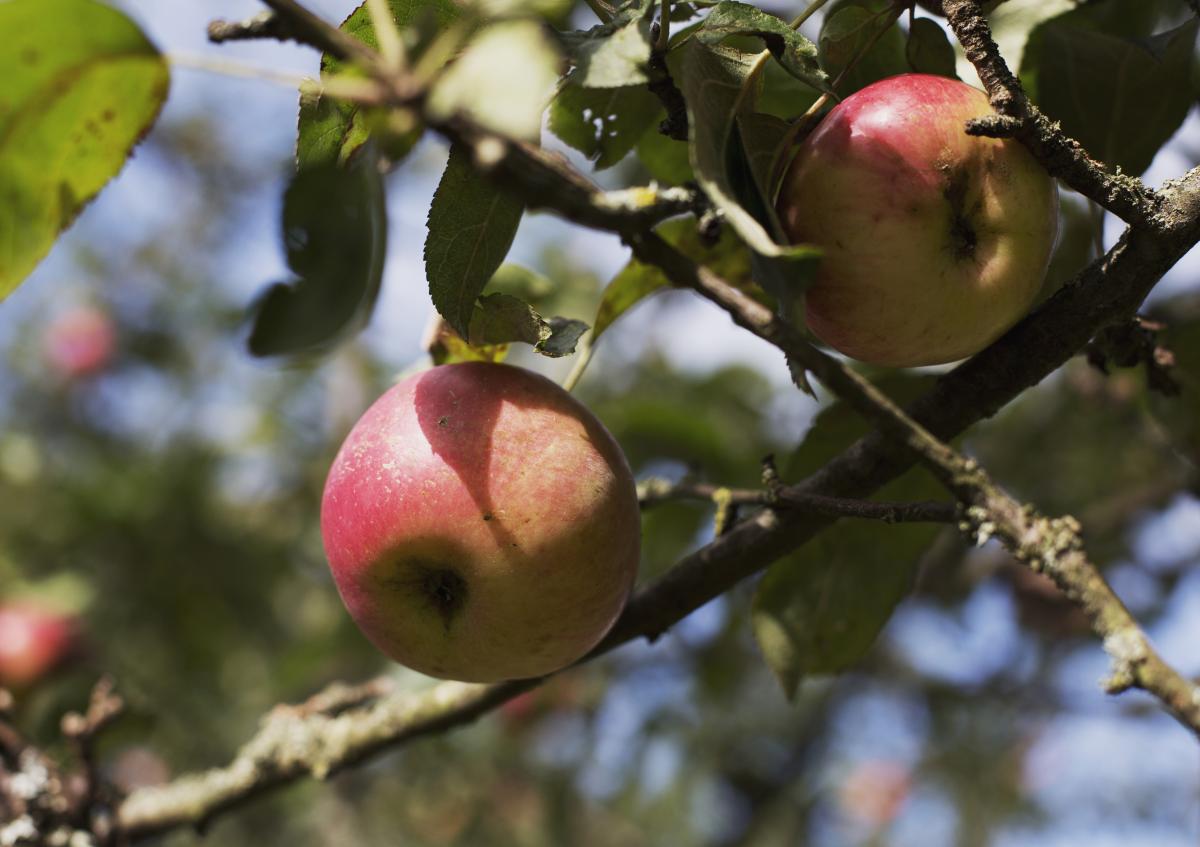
(665, 158)
(929, 50)
(471, 227)
(861, 44)
(330, 130)
(713, 83)
(502, 319)
(603, 123)
(1013, 21)
(795, 53)
(617, 61)
(502, 80)
(335, 234)
(727, 257)
(820, 609)
(82, 85)
(782, 95)
(1121, 97)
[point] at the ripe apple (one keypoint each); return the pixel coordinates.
(935, 242)
(33, 641)
(80, 342)
(481, 524)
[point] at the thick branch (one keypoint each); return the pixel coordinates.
(1125, 196)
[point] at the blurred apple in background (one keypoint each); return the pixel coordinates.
(81, 341)
(34, 640)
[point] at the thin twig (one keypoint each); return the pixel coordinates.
(656, 490)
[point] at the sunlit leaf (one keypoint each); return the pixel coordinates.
(82, 85)
(502, 80)
(331, 130)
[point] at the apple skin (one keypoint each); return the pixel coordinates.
(481, 524)
(80, 342)
(935, 242)
(33, 642)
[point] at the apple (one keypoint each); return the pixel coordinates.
(481, 524)
(80, 342)
(874, 791)
(34, 640)
(935, 242)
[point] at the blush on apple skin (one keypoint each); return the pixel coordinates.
(33, 642)
(481, 524)
(935, 242)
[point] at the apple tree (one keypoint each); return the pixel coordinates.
(865, 589)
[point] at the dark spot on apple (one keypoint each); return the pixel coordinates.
(963, 237)
(107, 116)
(443, 421)
(442, 588)
(487, 516)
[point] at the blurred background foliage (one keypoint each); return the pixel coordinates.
(163, 488)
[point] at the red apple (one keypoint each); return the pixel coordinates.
(481, 524)
(935, 242)
(80, 342)
(33, 641)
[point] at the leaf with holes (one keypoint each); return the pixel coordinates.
(82, 85)
(471, 227)
(603, 123)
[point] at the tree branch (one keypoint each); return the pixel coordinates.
(1109, 290)
(655, 490)
(1125, 196)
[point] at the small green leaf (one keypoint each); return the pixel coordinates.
(471, 227)
(502, 319)
(330, 130)
(820, 609)
(795, 53)
(861, 44)
(1120, 96)
(335, 234)
(82, 85)
(929, 50)
(728, 257)
(603, 123)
